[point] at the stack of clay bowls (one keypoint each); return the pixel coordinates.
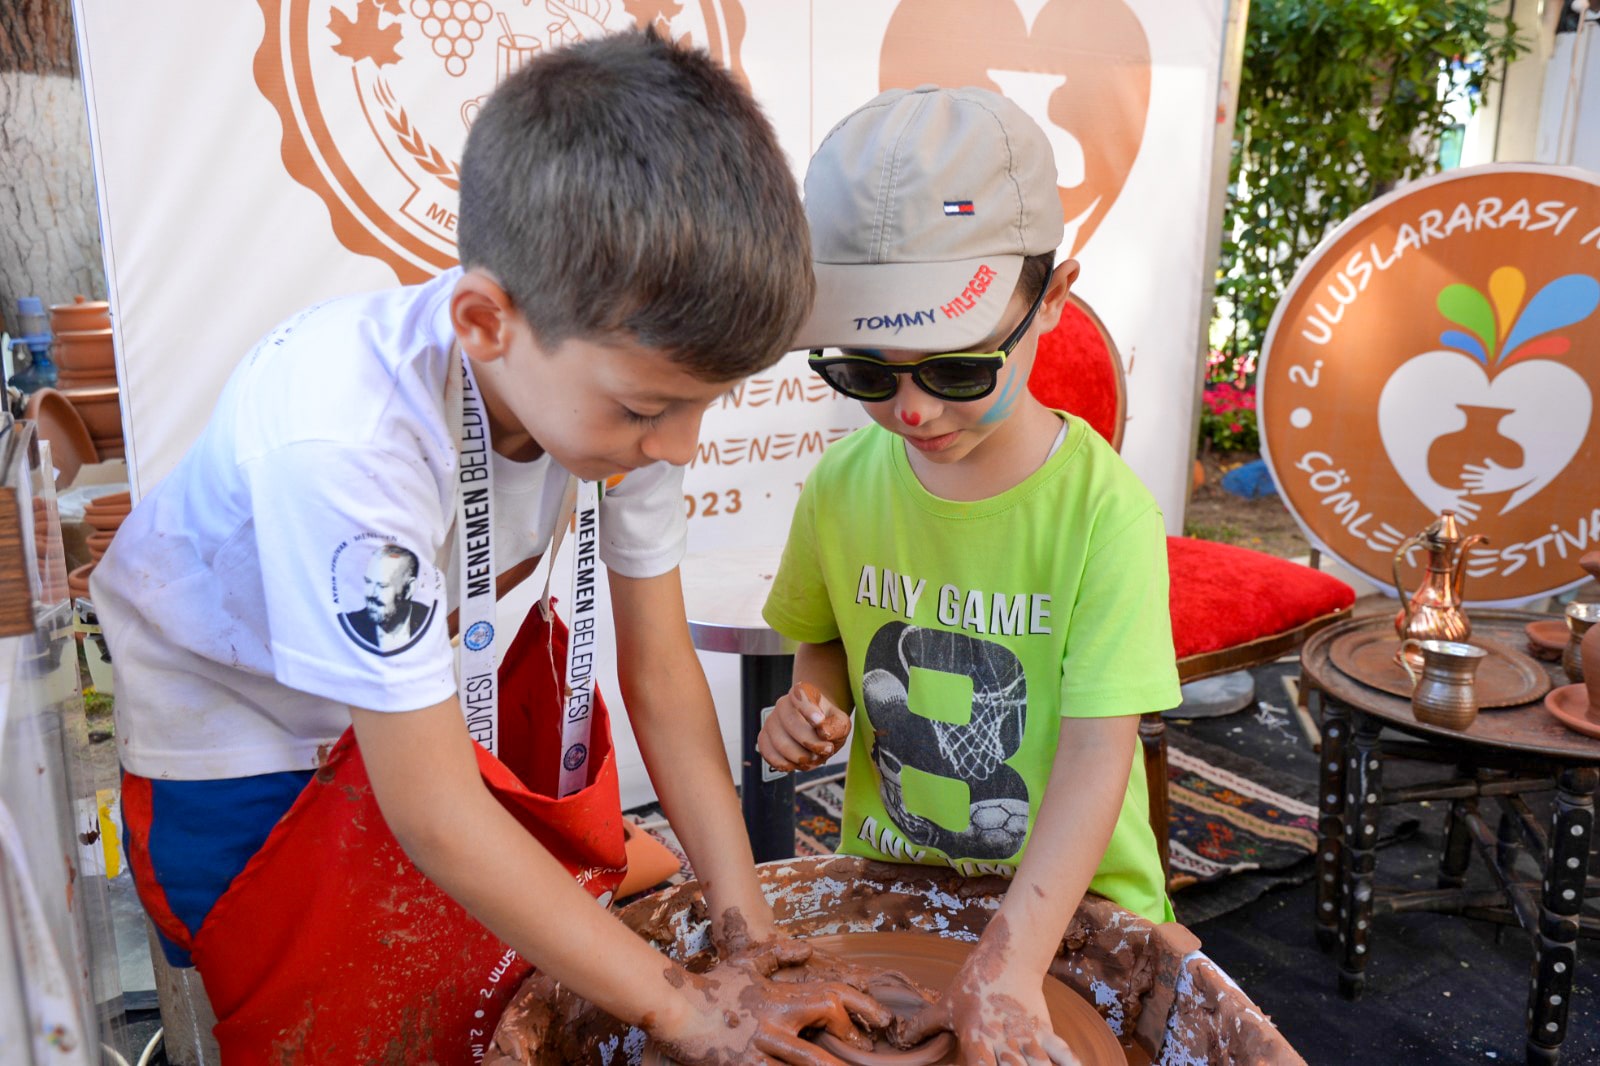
(86, 370)
(104, 515)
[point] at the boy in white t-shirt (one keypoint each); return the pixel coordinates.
(632, 243)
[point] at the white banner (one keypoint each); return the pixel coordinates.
(309, 148)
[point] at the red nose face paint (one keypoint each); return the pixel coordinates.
(910, 418)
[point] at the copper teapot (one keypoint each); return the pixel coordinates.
(1434, 610)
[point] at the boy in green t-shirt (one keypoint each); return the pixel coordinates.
(982, 578)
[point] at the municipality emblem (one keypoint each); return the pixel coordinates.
(376, 97)
(479, 635)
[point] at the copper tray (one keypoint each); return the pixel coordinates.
(1506, 677)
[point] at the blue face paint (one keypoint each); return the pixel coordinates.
(1003, 403)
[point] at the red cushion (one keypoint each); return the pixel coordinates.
(1223, 596)
(1075, 372)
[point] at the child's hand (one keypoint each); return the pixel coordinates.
(803, 730)
(996, 1011)
(739, 1014)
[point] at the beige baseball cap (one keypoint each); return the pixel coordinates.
(923, 205)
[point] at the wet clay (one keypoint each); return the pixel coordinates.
(833, 727)
(1149, 982)
(909, 969)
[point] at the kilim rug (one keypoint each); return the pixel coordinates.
(1231, 815)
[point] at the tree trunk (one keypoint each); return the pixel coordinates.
(49, 221)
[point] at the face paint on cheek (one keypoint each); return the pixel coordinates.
(1005, 401)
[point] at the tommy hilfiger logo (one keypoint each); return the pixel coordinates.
(968, 299)
(958, 207)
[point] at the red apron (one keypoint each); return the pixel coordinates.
(331, 947)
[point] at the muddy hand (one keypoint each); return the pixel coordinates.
(996, 1011)
(742, 1016)
(803, 730)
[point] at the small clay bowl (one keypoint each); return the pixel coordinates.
(1546, 638)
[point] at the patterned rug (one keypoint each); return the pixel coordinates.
(1230, 815)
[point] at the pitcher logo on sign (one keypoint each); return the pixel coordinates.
(1080, 69)
(376, 97)
(1441, 351)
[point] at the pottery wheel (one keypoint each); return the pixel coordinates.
(1505, 678)
(932, 961)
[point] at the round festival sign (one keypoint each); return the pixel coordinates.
(376, 97)
(1441, 351)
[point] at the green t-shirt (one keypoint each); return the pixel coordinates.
(971, 628)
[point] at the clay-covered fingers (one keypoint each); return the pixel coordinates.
(831, 724)
(789, 741)
(1054, 1050)
(773, 955)
(790, 1049)
(778, 748)
(934, 1018)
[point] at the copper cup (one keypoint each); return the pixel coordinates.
(1444, 694)
(1580, 616)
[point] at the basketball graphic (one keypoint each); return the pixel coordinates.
(1441, 351)
(1081, 70)
(376, 97)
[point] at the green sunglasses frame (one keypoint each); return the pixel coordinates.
(992, 361)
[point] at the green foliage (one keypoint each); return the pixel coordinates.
(1338, 100)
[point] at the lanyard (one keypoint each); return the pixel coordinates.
(478, 678)
(577, 708)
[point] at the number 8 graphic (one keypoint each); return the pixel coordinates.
(973, 753)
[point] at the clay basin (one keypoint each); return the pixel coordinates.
(1160, 997)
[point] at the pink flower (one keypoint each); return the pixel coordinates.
(1234, 427)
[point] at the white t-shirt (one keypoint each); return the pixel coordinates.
(301, 558)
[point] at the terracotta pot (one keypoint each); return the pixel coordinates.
(82, 313)
(98, 542)
(100, 410)
(84, 379)
(84, 350)
(78, 580)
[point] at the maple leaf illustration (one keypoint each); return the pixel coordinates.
(363, 38)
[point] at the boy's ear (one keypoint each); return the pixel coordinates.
(483, 316)
(1055, 295)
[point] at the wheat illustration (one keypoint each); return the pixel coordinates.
(429, 158)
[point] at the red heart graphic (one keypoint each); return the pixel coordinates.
(1098, 46)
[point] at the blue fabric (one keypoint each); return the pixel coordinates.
(1250, 480)
(202, 833)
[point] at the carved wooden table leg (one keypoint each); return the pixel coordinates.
(1457, 839)
(1556, 946)
(1330, 821)
(1363, 787)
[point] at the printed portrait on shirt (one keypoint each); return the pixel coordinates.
(391, 614)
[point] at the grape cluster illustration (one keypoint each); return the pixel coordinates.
(454, 27)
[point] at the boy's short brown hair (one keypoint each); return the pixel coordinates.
(626, 187)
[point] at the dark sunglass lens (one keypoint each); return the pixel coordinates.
(958, 378)
(863, 380)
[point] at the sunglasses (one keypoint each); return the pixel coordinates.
(956, 376)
